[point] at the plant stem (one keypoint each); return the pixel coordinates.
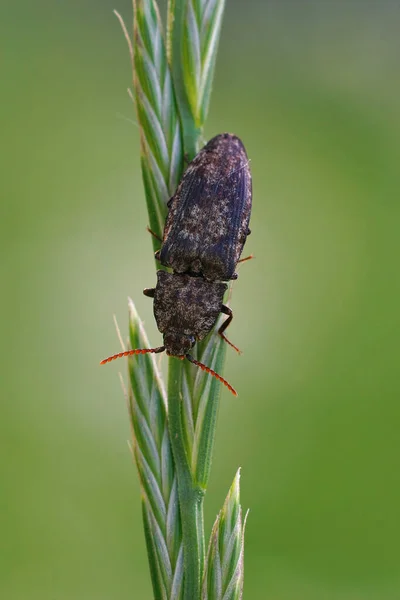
(191, 496)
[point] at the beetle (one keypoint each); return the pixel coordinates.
(204, 234)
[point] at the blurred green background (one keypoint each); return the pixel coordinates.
(313, 89)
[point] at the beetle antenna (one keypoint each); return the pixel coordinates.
(211, 372)
(131, 352)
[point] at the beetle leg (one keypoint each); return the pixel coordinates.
(227, 311)
(154, 234)
(149, 292)
(156, 254)
(247, 258)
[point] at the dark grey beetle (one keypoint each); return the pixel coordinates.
(205, 231)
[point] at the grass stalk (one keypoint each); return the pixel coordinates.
(191, 496)
(174, 433)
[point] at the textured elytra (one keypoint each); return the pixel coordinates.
(186, 309)
(208, 219)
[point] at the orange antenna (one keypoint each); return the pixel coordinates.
(131, 352)
(211, 372)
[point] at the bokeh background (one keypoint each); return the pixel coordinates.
(312, 87)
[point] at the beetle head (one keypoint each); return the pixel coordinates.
(178, 344)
